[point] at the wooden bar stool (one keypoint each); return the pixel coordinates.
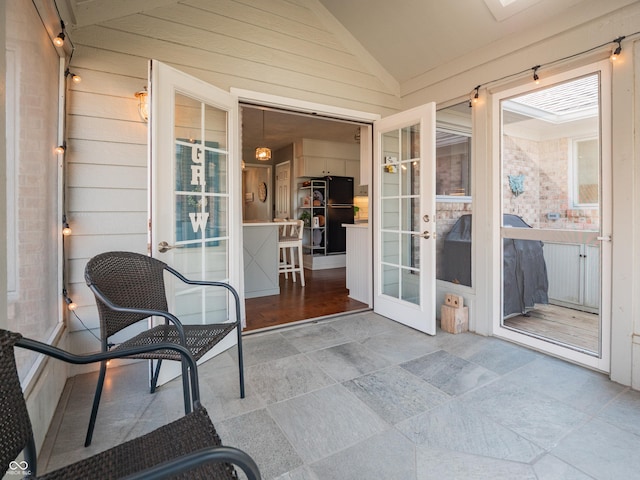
(289, 239)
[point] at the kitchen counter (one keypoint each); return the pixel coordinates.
(356, 225)
(359, 262)
(260, 247)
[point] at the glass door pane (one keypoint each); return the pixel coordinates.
(551, 206)
(201, 200)
(400, 211)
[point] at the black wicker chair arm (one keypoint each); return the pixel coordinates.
(201, 457)
(75, 359)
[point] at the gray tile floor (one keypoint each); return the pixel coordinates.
(361, 397)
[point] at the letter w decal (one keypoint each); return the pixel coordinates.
(199, 220)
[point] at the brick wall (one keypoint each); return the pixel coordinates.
(546, 169)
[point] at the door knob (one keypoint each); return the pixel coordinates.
(426, 234)
(165, 247)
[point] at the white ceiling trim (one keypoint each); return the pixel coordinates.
(313, 108)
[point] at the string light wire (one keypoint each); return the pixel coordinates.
(617, 51)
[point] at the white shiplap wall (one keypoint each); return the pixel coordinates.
(279, 47)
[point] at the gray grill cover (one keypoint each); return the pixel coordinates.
(524, 269)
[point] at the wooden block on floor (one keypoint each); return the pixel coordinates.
(454, 319)
(456, 301)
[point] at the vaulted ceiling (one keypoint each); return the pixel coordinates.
(409, 38)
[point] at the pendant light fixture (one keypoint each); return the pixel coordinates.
(263, 153)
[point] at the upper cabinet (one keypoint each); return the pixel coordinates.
(319, 158)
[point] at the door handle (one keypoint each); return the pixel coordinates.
(605, 238)
(426, 234)
(165, 247)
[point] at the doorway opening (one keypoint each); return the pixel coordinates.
(303, 148)
(556, 216)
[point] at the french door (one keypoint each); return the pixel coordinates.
(195, 219)
(404, 202)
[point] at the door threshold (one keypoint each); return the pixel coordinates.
(299, 323)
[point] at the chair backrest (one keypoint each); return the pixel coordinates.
(15, 426)
(129, 280)
(297, 229)
(291, 231)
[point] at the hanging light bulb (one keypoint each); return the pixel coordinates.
(66, 229)
(263, 153)
(616, 53)
(74, 78)
(70, 304)
(536, 78)
(60, 149)
(474, 99)
(59, 40)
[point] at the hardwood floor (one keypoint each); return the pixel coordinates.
(325, 293)
(565, 325)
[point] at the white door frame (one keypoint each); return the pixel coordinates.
(603, 363)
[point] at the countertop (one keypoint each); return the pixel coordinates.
(258, 223)
(356, 225)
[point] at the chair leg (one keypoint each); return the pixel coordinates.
(186, 388)
(96, 403)
(293, 264)
(300, 260)
(154, 378)
(240, 362)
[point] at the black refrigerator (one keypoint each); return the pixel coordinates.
(339, 211)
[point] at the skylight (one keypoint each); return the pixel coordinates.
(561, 103)
(503, 9)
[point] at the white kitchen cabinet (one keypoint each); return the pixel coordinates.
(352, 168)
(319, 158)
(573, 271)
(359, 262)
(310, 166)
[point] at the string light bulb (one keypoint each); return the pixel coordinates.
(66, 229)
(474, 99)
(60, 149)
(536, 78)
(59, 40)
(74, 78)
(616, 53)
(71, 306)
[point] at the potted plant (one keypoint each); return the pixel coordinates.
(306, 217)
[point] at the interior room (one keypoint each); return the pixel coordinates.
(467, 309)
(285, 134)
